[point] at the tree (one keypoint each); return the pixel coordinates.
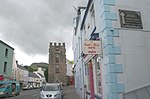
(46, 74)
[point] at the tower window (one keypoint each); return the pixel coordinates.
(57, 48)
(57, 57)
(57, 68)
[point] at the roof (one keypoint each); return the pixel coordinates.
(33, 75)
(40, 74)
(8, 82)
(6, 44)
(52, 83)
(21, 67)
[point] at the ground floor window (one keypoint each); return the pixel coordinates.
(98, 75)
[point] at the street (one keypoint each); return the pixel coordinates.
(27, 94)
(69, 92)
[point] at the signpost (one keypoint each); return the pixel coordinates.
(130, 19)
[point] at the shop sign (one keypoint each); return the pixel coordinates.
(130, 19)
(92, 47)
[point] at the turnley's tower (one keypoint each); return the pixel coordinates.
(57, 63)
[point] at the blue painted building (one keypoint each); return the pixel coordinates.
(6, 60)
(122, 71)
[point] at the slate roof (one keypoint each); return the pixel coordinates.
(33, 75)
(41, 75)
(21, 67)
(6, 44)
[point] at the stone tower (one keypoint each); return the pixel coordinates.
(57, 63)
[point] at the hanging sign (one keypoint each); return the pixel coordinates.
(92, 47)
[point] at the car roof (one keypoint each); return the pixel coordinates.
(52, 83)
(7, 82)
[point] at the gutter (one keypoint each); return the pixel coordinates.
(6, 44)
(85, 14)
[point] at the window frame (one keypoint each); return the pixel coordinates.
(57, 68)
(57, 57)
(5, 67)
(92, 14)
(6, 52)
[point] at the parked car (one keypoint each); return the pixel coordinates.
(25, 86)
(31, 86)
(51, 91)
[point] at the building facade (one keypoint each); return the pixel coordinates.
(57, 63)
(69, 67)
(69, 74)
(40, 74)
(6, 60)
(123, 28)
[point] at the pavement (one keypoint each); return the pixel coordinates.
(70, 93)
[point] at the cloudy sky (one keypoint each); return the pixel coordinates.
(29, 25)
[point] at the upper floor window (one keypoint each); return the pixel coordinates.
(57, 68)
(84, 28)
(57, 48)
(5, 67)
(92, 13)
(57, 57)
(6, 52)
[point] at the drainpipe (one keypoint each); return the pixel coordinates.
(91, 79)
(82, 63)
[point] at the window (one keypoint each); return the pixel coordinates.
(84, 28)
(57, 57)
(87, 74)
(6, 52)
(57, 48)
(98, 76)
(5, 67)
(92, 12)
(57, 68)
(51, 88)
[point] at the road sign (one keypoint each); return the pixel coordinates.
(130, 19)
(92, 47)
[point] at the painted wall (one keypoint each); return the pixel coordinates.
(126, 51)
(69, 68)
(78, 61)
(8, 59)
(135, 46)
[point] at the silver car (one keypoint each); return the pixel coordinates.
(51, 91)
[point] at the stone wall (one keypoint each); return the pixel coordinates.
(57, 63)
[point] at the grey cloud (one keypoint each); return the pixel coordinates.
(32, 24)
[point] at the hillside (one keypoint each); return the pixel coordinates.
(36, 65)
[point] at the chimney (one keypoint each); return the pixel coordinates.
(17, 62)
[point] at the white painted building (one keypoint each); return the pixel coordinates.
(69, 68)
(122, 71)
(19, 73)
(40, 74)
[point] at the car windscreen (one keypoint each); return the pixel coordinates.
(3, 85)
(51, 88)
